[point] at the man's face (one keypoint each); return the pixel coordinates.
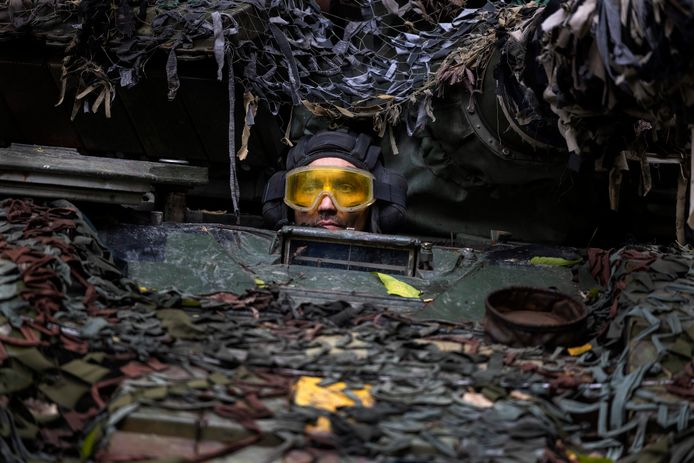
(326, 214)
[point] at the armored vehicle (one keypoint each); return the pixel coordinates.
(148, 312)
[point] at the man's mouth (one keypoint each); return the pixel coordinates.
(330, 225)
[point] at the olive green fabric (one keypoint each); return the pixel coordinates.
(179, 324)
(63, 391)
(30, 357)
(85, 371)
(14, 379)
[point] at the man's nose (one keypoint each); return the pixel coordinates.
(326, 204)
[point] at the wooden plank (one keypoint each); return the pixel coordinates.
(70, 193)
(61, 161)
(74, 181)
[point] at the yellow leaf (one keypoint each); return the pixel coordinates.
(259, 283)
(309, 393)
(397, 287)
(575, 351)
(385, 97)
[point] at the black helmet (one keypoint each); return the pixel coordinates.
(390, 188)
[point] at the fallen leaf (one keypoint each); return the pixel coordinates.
(398, 288)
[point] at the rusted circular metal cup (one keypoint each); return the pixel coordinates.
(523, 316)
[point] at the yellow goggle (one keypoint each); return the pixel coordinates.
(349, 188)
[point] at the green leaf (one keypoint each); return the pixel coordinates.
(593, 459)
(30, 357)
(90, 442)
(554, 261)
(396, 287)
(190, 302)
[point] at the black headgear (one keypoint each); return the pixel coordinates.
(390, 188)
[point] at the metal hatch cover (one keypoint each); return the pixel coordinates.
(349, 250)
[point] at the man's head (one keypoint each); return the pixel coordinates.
(335, 180)
(326, 182)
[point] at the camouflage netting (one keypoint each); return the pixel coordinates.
(577, 63)
(83, 350)
(600, 59)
